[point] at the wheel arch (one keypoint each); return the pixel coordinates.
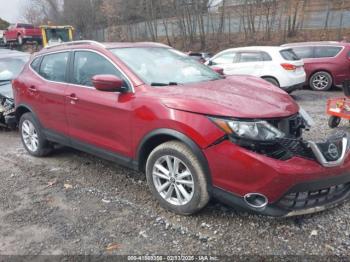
(160, 136)
(22, 109)
(269, 76)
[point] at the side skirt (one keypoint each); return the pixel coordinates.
(90, 149)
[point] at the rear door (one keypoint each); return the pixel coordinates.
(98, 119)
(47, 90)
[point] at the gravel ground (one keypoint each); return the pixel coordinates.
(72, 203)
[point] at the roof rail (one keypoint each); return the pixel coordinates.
(80, 42)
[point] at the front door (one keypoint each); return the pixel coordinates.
(96, 118)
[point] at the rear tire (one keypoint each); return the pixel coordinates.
(177, 179)
(272, 81)
(334, 121)
(32, 137)
(321, 81)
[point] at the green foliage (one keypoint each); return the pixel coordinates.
(3, 24)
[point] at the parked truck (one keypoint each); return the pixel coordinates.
(20, 33)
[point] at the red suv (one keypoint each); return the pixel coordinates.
(326, 63)
(196, 134)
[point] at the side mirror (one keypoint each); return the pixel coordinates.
(210, 63)
(108, 83)
(218, 70)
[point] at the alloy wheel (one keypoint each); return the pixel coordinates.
(173, 180)
(30, 136)
(320, 82)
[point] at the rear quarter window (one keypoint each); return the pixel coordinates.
(327, 51)
(289, 55)
(35, 65)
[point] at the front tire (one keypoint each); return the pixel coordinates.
(32, 137)
(321, 81)
(177, 179)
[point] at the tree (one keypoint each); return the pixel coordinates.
(4, 24)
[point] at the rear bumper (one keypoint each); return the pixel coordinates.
(237, 172)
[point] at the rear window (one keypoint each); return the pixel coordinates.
(53, 67)
(327, 51)
(289, 55)
(304, 52)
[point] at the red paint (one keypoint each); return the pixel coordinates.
(26, 31)
(109, 83)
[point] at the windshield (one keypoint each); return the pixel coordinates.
(164, 66)
(10, 67)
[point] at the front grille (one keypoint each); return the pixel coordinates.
(310, 199)
(297, 147)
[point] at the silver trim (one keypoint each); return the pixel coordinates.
(72, 84)
(256, 206)
(321, 159)
(80, 42)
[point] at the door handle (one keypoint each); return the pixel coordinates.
(32, 89)
(73, 97)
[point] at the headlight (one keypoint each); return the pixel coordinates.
(253, 130)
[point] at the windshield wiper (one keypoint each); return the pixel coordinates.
(164, 84)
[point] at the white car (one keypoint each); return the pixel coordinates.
(277, 65)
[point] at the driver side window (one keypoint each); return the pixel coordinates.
(88, 64)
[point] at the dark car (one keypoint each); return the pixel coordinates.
(11, 64)
(196, 134)
(201, 57)
(326, 64)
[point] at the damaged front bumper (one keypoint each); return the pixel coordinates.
(7, 113)
(295, 176)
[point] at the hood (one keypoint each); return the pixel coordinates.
(235, 96)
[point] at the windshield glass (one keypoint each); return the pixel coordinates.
(163, 66)
(10, 67)
(6, 89)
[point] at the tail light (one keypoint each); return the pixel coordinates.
(289, 67)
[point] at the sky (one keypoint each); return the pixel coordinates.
(10, 10)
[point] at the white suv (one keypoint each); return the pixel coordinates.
(277, 65)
